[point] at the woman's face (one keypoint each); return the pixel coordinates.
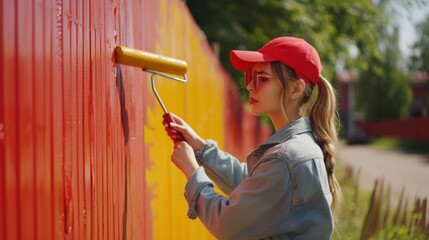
(266, 98)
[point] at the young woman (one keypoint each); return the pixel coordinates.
(287, 189)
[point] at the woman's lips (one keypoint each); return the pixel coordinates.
(252, 100)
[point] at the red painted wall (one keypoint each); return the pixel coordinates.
(80, 157)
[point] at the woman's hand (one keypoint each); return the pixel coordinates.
(191, 137)
(184, 159)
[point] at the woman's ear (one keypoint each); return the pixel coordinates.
(297, 89)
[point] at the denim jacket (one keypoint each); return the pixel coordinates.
(281, 193)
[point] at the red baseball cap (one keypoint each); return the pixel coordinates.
(294, 52)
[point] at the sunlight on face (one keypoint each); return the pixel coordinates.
(266, 99)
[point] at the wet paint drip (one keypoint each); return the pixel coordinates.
(69, 21)
(84, 215)
(1, 131)
(68, 201)
(115, 36)
(115, 33)
(59, 19)
(68, 204)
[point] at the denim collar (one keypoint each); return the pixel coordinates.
(301, 125)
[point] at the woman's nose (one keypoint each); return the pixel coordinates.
(250, 86)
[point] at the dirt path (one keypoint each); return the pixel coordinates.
(397, 168)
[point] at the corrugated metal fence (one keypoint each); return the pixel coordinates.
(83, 152)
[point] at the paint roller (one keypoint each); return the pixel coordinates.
(156, 65)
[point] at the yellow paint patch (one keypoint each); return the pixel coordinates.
(199, 102)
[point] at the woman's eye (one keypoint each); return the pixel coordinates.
(263, 78)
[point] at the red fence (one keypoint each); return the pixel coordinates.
(409, 129)
(83, 153)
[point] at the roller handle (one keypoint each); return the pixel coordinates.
(178, 137)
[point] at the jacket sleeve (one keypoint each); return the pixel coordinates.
(224, 169)
(253, 209)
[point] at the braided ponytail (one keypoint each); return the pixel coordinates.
(323, 115)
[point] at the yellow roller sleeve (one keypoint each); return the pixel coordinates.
(146, 60)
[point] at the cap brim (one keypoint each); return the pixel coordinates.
(244, 60)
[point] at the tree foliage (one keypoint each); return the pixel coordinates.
(383, 89)
(419, 60)
(333, 27)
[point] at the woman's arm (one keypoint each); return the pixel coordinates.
(253, 210)
(224, 169)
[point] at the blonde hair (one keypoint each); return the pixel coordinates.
(324, 118)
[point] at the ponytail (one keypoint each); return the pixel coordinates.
(323, 116)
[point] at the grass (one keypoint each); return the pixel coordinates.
(356, 202)
(370, 212)
(402, 145)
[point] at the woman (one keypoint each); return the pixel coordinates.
(287, 188)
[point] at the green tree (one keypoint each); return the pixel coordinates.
(419, 60)
(384, 90)
(331, 26)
